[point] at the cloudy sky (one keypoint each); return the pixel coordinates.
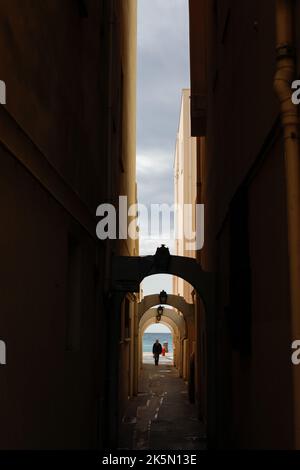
(163, 71)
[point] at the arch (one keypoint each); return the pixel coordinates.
(166, 321)
(126, 276)
(176, 331)
(170, 316)
(129, 271)
(175, 301)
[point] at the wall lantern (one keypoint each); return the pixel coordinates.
(163, 297)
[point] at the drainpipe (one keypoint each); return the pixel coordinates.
(285, 74)
(113, 303)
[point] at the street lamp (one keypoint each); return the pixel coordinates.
(160, 311)
(163, 297)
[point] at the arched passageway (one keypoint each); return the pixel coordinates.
(163, 416)
(127, 275)
(167, 319)
(177, 322)
(183, 313)
(175, 301)
(129, 271)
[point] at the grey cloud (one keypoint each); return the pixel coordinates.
(163, 70)
(159, 96)
(156, 181)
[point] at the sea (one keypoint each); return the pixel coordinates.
(150, 338)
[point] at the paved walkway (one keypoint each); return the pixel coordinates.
(161, 417)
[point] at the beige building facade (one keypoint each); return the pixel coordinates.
(185, 186)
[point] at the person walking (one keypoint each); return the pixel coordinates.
(157, 350)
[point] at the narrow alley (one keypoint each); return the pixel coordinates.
(161, 416)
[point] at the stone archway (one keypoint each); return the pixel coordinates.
(169, 323)
(188, 312)
(127, 275)
(129, 271)
(173, 320)
(168, 313)
(175, 301)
